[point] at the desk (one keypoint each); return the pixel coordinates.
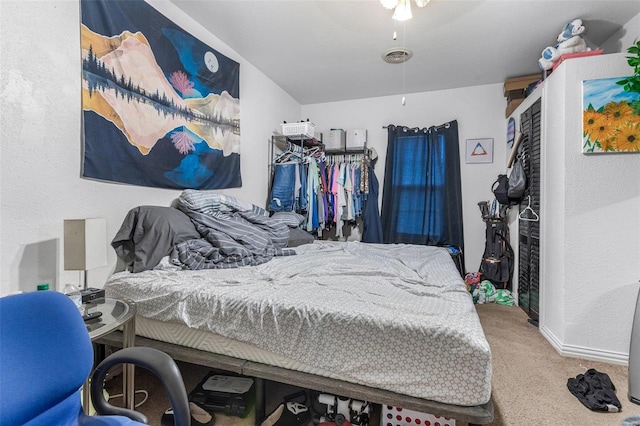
(116, 313)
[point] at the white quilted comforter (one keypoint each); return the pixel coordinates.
(395, 317)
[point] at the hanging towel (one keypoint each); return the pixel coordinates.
(595, 390)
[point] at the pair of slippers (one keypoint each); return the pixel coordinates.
(199, 416)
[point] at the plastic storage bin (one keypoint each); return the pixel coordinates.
(305, 129)
(336, 140)
(396, 416)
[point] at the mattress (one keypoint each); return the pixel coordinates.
(180, 334)
(390, 316)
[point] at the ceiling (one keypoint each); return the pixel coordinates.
(329, 50)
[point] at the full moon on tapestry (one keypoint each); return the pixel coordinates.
(160, 108)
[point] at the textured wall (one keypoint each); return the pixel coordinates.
(590, 224)
(625, 37)
(480, 114)
(41, 145)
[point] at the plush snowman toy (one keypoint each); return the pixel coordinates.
(569, 41)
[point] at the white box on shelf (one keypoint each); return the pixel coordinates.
(306, 129)
(356, 138)
(336, 139)
(396, 416)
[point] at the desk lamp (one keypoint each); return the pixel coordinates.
(85, 247)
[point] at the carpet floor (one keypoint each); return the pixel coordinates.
(529, 383)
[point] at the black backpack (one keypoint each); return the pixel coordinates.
(500, 189)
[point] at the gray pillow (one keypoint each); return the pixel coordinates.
(148, 233)
(292, 219)
(298, 237)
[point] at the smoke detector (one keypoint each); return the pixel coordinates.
(397, 55)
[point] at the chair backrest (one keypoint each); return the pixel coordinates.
(45, 357)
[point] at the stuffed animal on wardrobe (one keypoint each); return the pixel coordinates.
(569, 41)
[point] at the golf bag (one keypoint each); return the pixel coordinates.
(498, 258)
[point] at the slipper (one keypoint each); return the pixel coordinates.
(199, 416)
(288, 414)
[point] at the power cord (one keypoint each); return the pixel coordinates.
(141, 391)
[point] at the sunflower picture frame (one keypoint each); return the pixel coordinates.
(609, 123)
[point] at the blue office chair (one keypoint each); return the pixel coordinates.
(46, 356)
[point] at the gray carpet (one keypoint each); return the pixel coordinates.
(529, 384)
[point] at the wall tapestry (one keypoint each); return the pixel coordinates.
(608, 121)
(160, 108)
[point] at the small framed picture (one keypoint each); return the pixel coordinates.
(479, 151)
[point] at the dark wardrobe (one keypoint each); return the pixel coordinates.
(528, 215)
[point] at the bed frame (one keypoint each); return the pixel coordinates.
(473, 415)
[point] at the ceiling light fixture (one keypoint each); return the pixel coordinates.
(402, 8)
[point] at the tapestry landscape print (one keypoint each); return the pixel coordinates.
(160, 108)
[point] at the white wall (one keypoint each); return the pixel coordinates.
(590, 224)
(624, 38)
(40, 153)
(479, 111)
(590, 263)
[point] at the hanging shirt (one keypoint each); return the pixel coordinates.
(312, 188)
(323, 191)
(334, 190)
(297, 188)
(319, 198)
(341, 200)
(348, 192)
(357, 194)
(330, 199)
(303, 189)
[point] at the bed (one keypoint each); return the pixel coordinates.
(391, 324)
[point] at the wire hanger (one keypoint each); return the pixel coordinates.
(535, 217)
(288, 155)
(312, 152)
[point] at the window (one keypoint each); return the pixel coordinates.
(422, 200)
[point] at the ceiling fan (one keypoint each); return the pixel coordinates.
(402, 10)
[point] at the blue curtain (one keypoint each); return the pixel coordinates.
(422, 197)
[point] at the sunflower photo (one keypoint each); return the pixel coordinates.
(608, 120)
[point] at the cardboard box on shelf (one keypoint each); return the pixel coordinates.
(516, 94)
(511, 106)
(519, 83)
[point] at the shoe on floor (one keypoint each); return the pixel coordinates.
(288, 414)
(199, 416)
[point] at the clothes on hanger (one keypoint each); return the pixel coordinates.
(284, 187)
(328, 189)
